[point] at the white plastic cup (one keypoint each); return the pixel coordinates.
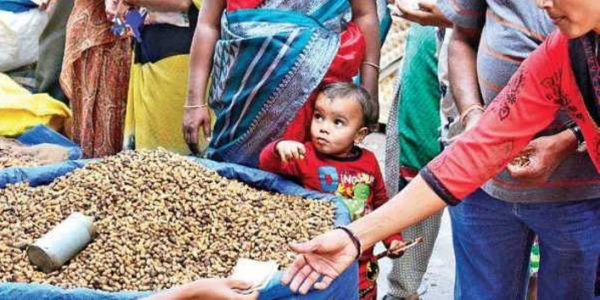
(62, 243)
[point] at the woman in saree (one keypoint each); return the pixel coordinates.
(158, 84)
(562, 74)
(267, 59)
(94, 77)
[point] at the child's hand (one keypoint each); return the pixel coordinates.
(289, 150)
(395, 249)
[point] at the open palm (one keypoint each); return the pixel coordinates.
(324, 257)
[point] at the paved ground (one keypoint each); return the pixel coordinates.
(439, 279)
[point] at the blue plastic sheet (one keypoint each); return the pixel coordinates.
(42, 135)
(17, 6)
(344, 287)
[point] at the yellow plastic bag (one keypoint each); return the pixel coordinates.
(21, 110)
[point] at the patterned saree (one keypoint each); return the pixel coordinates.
(272, 57)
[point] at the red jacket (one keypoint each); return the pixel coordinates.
(543, 85)
(356, 179)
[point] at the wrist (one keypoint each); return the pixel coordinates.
(569, 139)
(474, 110)
(353, 238)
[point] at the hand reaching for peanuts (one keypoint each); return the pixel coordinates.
(290, 150)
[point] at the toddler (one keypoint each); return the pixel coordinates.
(332, 163)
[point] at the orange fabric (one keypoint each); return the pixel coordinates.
(543, 85)
(95, 79)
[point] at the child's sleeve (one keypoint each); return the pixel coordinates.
(270, 161)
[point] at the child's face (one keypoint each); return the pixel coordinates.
(337, 124)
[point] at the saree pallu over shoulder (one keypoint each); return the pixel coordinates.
(268, 63)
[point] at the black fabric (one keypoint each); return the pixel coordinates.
(438, 187)
(164, 40)
(582, 77)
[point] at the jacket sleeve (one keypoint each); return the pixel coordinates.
(527, 105)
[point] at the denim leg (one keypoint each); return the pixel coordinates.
(569, 247)
(492, 248)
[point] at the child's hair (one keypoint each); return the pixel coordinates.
(357, 93)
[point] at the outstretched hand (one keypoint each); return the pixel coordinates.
(321, 260)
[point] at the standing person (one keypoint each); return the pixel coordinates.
(489, 42)
(332, 163)
(158, 85)
(412, 140)
(94, 77)
(560, 75)
(269, 58)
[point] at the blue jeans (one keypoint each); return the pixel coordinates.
(492, 243)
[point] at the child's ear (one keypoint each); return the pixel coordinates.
(360, 135)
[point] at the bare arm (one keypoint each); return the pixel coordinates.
(462, 52)
(203, 48)
(364, 14)
(201, 60)
(162, 5)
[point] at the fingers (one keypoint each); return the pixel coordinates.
(293, 269)
(238, 284)
(427, 6)
(207, 127)
(252, 296)
(300, 277)
(324, 283)
(309, 282)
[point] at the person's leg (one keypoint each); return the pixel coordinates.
(492, 247)
(569, 235)
(408, 270)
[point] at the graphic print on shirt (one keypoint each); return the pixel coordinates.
(329, 179)
(355, 190)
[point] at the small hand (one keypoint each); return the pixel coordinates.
(327, 255)
(428, 14)
(395, 249)
(540, 158)
(289, 150)
(193, 120)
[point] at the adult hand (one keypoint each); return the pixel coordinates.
(326, 256)
(428, 14)
(289, 150)
(193, 120)
(210, 289)
(115, 8)
(540, 158)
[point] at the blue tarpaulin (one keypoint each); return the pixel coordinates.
(344, 287)
(45, 135)
(17, 6)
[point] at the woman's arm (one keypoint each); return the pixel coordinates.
(203, 47)
(162, 5)
(364, 14)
